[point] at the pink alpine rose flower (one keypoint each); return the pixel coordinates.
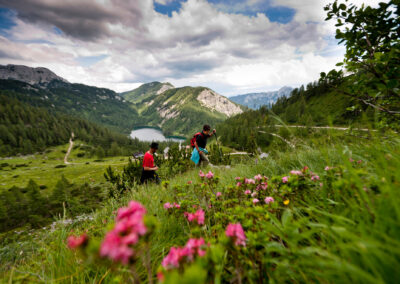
(75, 242)
(126, 232)
(254, 194)
(249, 181)
(269, 200)
(209, 175)
(315, 178)
(198, 216)
(255, 201)
(238, 178)
(201, 174)
(297, 173)
(239, 184)
(247, 192)
(285, 179)
(258, 177)
(177, 206)
(168, 205)
(327, 168)
(189, 182)
(177, 256)
(236, 233)
(219, 194)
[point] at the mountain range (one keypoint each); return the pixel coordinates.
(177, 111)
(180, 110)
(256, 100)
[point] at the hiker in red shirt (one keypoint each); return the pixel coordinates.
(149, 169)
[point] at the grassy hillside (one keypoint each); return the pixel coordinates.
(318, 104)
(145, 91)
(101, 106)
(340, 227)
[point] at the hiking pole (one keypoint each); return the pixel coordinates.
(219, 149)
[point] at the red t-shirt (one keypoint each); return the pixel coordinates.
(148, 160)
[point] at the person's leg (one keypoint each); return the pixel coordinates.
(204, 160)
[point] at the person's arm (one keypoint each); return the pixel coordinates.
(197, 147)
(150, 169)
(213, 132)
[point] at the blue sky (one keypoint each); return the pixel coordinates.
(232, 46)
(279, 14)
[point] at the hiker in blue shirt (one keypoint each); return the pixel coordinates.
(199, 145)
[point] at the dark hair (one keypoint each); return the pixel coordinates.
(154, 145)
(206, 127)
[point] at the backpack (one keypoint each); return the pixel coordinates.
(194, 138)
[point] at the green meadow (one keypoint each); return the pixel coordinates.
(48, 167)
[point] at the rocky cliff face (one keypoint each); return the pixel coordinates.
(34, 76)
(212, 100)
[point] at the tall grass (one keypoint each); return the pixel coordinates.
(349, 231)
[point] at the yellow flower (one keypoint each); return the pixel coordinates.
(286, 202)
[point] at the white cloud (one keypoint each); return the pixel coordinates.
(199, 45)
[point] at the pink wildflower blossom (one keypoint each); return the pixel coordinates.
(285, 179)
(269, 200)
(128, 228)
(238, 178)
(247, 192)
(315, 178)
(327, 168)
(305, 168)
(189, 182)
(258, 177)
(209, 175)
(168, 205)
(178, 256)
(198, 216)
(254, 194)
(75, 242)
(239, 184)
(297, 173)
(249, 181)
(160, 276)
(264, 186)
(195, 246)
(235, 231)
(177, 206)
(219, 194)
(255, 201)
(201, 174)
(359, 162)
(351, 160)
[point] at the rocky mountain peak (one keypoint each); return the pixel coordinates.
(33, 76)
(219, 103)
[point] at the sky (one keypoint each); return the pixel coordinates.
(233, 47)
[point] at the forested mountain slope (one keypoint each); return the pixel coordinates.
(26, 129)
(98, 105)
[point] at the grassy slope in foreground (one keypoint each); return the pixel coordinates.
(348, 233)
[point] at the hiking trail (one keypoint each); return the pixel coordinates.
(71, 144)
